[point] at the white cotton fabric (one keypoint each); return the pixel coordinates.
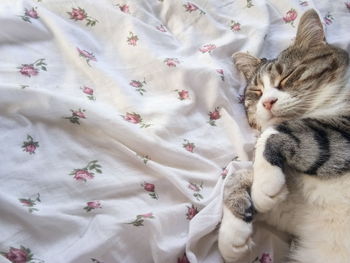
(60, 229)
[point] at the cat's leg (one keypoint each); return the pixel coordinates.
(236, 227)
(269, 184)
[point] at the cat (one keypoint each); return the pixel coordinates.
(300, 180)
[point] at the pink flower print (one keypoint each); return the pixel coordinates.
(190, 7)
(213, 116)
(171, 62)
(189, 146)
(30, 145)
(89, 92)
(18, 255)
(151, 189)
(161, 28)
(265, 258)
(79, 14)
(221, 73)
(191, 212)
(83, 175)
(88, 56)
(224, 173)
(30, 70)
(347, 4)
(88, 172)
(196, 188)
(135, 119)
(138, 85)
(30, 13)
(207, 48)
(76, 116)
(184, 259)
(30, 202)
(92, 205)
(182, 94)
(235, 26)
(124, 8)
(132, 39)
(328, 19)
(290, 16)
(140, 219)
(303, 3)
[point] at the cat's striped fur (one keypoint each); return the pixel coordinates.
(301, 172)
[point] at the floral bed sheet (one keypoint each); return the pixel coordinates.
(120, 120)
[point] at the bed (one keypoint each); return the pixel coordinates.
(121, 119)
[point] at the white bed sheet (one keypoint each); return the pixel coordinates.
(119, 120)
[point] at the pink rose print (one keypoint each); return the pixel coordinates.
(30, 145)
(92, 205)
(224, 173)
(207, 48)
(30, 13)
(213, 116)
(303, 3)
(171, 62)
(30, 70)
(138, 85)
(135, 119)
(87, 172)
(182, 94)
(191, 212)
(265, 258)
(79, 14)
(18, 255)
(347, 4)
(140, 219)
(249, 3)
(221, 73)
(196, 188)
(76, 116)
(132, 39)
(30, 202)
(161, 28)
(190, 7)
(184, 259)
(235, 26)
(124, 8)
(290, 16)
(151, 189)
(89, 92)
(88, 56)
(189, 146)
(328, 19)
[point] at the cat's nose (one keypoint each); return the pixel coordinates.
(268, 103)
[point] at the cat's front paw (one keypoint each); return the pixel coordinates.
(269, 186)
(234, 237)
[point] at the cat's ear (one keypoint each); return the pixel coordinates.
(310, 30)
(245, 63)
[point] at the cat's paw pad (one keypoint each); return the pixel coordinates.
(234, 237)
(268, 188)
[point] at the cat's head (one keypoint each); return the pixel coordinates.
(302, 79)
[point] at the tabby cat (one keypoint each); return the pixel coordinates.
(300, 181)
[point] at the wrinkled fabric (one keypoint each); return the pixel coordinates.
(119, 121)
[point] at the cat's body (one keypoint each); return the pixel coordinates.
(300, 181)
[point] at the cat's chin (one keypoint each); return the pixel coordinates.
(263, 125)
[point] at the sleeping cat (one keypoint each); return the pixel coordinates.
(300, 181)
